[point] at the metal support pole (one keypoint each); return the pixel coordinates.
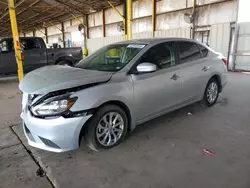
(124, 15)
(15, 36)
(129, 19)
(103, 24)
(34, 33)
(153, 17)
(87, 28)
(85, 35)
(194, 18)
(63, 35)
(236, 35)
(46, 35)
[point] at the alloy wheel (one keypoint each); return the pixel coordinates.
(110, 129)
(212, 92)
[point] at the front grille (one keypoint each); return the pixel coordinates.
(28, 133)
(49, 143)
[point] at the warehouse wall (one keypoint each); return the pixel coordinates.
(215, 17)
(96, 43)
(170, 21)
(220, 35)
(179, 32)
(242, 60)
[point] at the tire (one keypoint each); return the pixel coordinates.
(96, 126)
(64, 63)
(211, 95)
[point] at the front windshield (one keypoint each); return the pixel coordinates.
(111, 58)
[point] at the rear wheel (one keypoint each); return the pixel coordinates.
(107, 128)
(211, 93)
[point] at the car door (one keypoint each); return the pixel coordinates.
(157, 91)
(7, 57)
(34, 54)
(194, 71)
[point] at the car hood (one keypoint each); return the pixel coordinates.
(54, 78)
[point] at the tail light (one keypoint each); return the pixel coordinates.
(225, 61)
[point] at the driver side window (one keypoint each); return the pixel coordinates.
(162, 55)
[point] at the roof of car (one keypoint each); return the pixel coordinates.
(154, 40)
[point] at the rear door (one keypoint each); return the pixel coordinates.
(34, 54)
(157, 91)
(7, 57)
(195, 70)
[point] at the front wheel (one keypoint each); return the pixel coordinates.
(107, 128)
(211, 93)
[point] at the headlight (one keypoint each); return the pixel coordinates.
(53, 106)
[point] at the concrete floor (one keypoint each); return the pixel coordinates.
(165, 152)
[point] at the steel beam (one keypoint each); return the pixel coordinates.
(118, 12)
(103, 23)
(46, 35)
(194, 18)
(129, 19)
(63, 35)
(15, 36)
(153, 17)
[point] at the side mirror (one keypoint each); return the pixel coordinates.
(146, 67)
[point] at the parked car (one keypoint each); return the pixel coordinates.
(35, 55)
(116, 88)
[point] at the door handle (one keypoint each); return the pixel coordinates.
(205, 68)
(175, 77)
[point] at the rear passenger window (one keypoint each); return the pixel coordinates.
(188, 52)
(204, 50)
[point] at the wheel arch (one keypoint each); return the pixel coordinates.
(123, 106)
(218, 79)
(65, 58)
(118, 103)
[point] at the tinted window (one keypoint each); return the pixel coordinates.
(4, 46)
(204, 51)
(7, 46)
(29, 44)
(162, 55)
(188, 52)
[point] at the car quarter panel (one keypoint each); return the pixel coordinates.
(216, 68)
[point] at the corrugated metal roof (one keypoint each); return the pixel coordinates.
(36, 13)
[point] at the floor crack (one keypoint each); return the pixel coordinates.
(32, 156)
(6, 147)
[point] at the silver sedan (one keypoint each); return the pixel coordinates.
(116, 88)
